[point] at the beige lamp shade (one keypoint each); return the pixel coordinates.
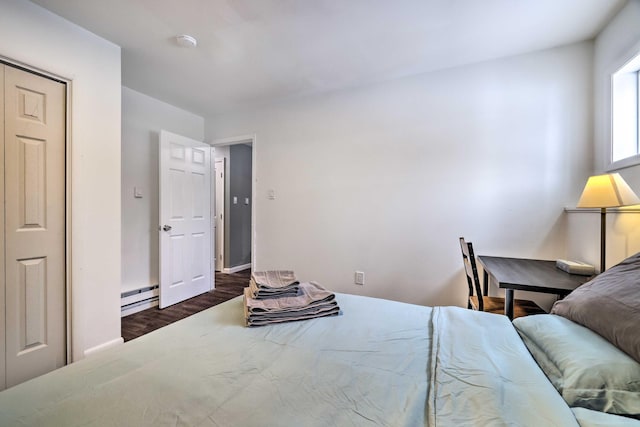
(607, 191)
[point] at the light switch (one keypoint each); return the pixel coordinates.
(235, 200)
(271, 194)
(137, 192)
(246, 200)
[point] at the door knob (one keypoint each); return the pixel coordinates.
(166, 227)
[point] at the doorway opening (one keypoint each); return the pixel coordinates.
(233, 212)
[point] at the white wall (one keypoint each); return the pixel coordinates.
(385, 178)
(623, 235)
(34, 36)
(142, 119)
(613, 45)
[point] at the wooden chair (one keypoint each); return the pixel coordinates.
(481, 301)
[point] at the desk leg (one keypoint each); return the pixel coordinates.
(508, 303)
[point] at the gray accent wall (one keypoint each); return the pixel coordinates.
(238, 237)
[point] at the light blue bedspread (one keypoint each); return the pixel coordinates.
(381, 363)
(483, 375)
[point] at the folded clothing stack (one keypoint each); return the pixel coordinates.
(273, 284)
(311, 302)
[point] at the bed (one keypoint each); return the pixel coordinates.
(379, 363)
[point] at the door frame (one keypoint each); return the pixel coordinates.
(247, 139)
(219, 229)
(68, 192)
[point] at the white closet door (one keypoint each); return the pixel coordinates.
(34, 173)
(3, 378)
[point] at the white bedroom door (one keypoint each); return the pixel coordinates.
(185, 218)
(33, 170)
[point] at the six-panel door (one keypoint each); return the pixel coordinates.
(34, 224)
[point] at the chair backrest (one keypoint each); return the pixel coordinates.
(471, 271)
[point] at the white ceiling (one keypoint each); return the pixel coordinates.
(254, 52)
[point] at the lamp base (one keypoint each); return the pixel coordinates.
(603, 238)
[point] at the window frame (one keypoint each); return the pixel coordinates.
(627, 64)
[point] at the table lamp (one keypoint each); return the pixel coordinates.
(606, 191)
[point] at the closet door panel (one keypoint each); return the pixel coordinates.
(3, 311)
(34, 151)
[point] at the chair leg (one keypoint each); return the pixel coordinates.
(485, 286)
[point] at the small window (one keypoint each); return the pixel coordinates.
(625, 114)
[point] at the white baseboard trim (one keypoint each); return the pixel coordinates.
(236, 268)
(139, 299)
(88, 352)
(140, 306)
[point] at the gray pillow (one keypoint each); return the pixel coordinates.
(585, 368)
(609, 305)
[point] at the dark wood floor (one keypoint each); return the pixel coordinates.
(227, 286)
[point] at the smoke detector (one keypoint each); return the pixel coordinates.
(185, 40)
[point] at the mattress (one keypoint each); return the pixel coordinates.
(380, 363)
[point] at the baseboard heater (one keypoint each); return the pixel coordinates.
(138, 300)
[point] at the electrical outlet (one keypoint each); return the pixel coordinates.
(359, 278)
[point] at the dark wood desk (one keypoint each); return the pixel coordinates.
(531, 275)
